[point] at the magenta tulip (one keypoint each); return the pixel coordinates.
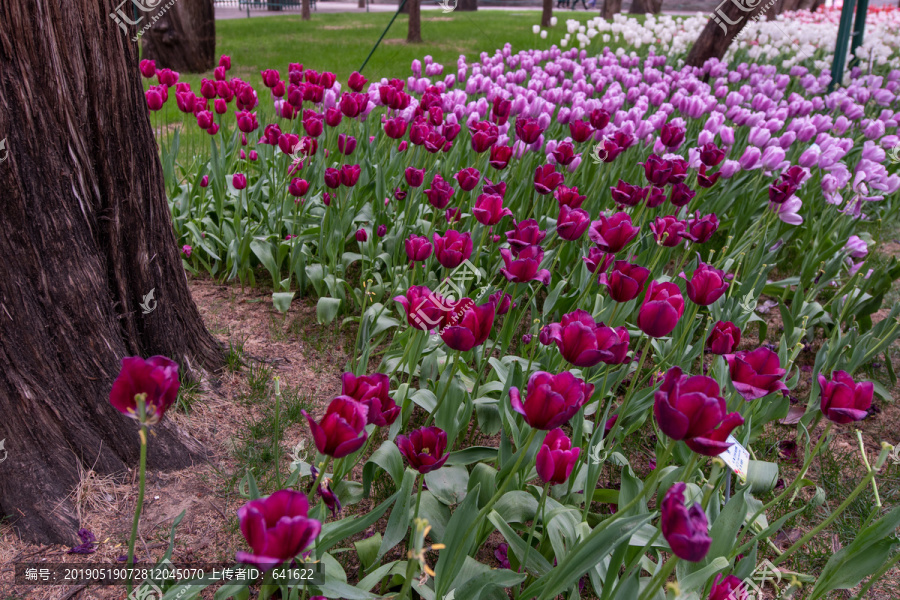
(611, 234)
(584, 343)
(668, 230)
(418, 248)
(239, 181)
(425, 449)
(625, 281)
(707, 284)
(526, 233)
(728, 588)
(569, 196)
(525, 266)
(701, 229)
(439, 193)
(452, 248)
(556, 458)
(156, 378)
(342, 430)
(598, 261)
(372, 391)
(843, 400)
(572, 223)
(276, 528)
(424, 308)
(724, 338)
(756, 373)
(686, 530)
(546, 179)
(468, 178)
(550, 400)
(414, 177)
(298, 188)
(488, 209)
(662, 308)
(466, 325)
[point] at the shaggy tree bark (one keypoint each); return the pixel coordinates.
(547, 13)
(85, 233)
(183, 37)
(727, 20)
(414, 34)
(611, 8)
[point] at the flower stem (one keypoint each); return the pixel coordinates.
(141, 399)
(440, 401)
(659, 578)
(540, 511)
(312, 494)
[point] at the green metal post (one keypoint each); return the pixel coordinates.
(840, 48)
(859, 28)
(383, 33)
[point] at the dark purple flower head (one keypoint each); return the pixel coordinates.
(681, 194)
(556, 458)
(418, 248)
(672, 135)
(568, 196)
(276, 528)
(657, 170)
(452, 248)
(424, 308)
(342, 430)
(468, 178)
(662, 308)
(728, 588)
(584, 342)
(439, 193)
(546, 179)
(467, 325)
(685, 529)
(528, 130)
(598, 261)
(626, 194)
(425, 449)
(611, 234)
(756, 373)
(692, 409)
(626, 280)
(372, 391)
(707, 284)
(526, 266)
(668, 230)
(580, 130)
(711, 155)
(844, 400)
(572, 223)
(526, 233)
(701, 229)
(724, 338)
(88, 543)
(564, 153)
(325, 492)
(489, 210)
(550, 400)
(155, 377)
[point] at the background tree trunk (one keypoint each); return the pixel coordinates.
(304, 10)
(467, 5)
(86, 233)
(405, 9)
(414, 35)
(362, 4)
(546, 13)
(726, 22)
(640, 7)
(610, 8)
(183, 38)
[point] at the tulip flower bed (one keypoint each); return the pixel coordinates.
(545, 254)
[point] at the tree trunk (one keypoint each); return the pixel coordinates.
(85, 233)
(183, 37)
(467, 5)
(404, 10)
(414, 35)
(727, 20)
(547, 13)
(362, 4)
(611, 8)
(304, 10)
(640, 7)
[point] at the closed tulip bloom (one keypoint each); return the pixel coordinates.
(225, 62)
(270, 77)
(239, 181)
(148, 68)
(728, 588)
(342, 430)
(452, 248)
(488, 209)
(611, 234)
(382, 230)
(499, 158)
(661, 309)
(569, 196)
(657, 170)
(526, 266)
(467, 325)
(503, 303)
(572, 223)
(685, 529)
(361, 235)
(564, 153)
(276, 528)
(528, 130)
(439, 193)
(556, 458)
(204, 119)
(418, 248)
(155, 377)
(711, 155)
(167, 77)
(668, 230)
(346, 144)
(626, 194)
(597, 261)
(425, 449)
(625, 281)
(349, 175)
(681, 195)
(395, 128)
(724, 338)
(526, 233)
(672, 136)
(414, 177)
(424, 308)
(357, 81)
(154, 99)
(546, 179)
(333, 116)
(298, 188)
(756, 373)
(205, 181)
(844, 400)
(707, 284)
(373, 391)
(586, 343)
(700, 229)
(468, 178)
(332, 178)
(287, 142)
(580, 130)
(550, 400)
(656, 196)
(692, 409)
(500, 110)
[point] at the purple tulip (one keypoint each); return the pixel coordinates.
(439, 193)
(844, 400)
(700, 229)
(626, 194)
(346, 144)
(488, 209)
(239, 181)
(372, 391)
(332, 178)
(672, 135)
(425, 449)
(724, 338)
(692, 409)
(728, 588)
(526, 234)
(611, 234)
(526, 266)
(468, 178)
(452, 248)
(546, 179)
(598, 261)
(657, 170)
(656, 196)
(361, 235)
(681, 195)
(342, 430)
(424, 308)
(626, 280)
(686, 530)
(756, 373)
(503, 303)
(572, 223)
(711, 155)
(418, 248)
(349, 175)
(276, 528)
(528, 130)
(668, 230)
(550, 400)
(414, 177)
(662, 308)
(707, 284)
(325, 492)
(382, 230)
(298, 187)
(584, 342)
(556, 458)
(466, 325)
(156, 378)
(568, 196)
